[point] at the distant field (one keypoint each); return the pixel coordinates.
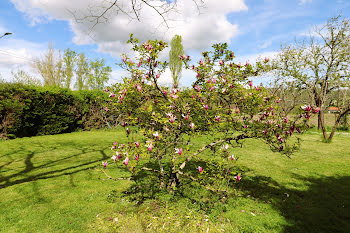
(51, 184)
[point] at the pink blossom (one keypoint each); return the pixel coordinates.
(228, 170)
(286, 120)
(239, 65)
(217, 118)
(137, 157)
(237, 110)
(306, 108)
(113, 148)
(266, 59)
(316, 110)
(205, 107)
(212, 88)
(149, 145)
(250, 83)
(225, 147)
(158, 75)
(104, 163)
(137, 144)
(114, 158)
(172, 119)
(238, 178)
(115, 143)
(178, 151)
(191, 125)
(245, 126)
(149, 47)
(200, 169)
(232, 157)
(106, 109)
(221, 62)
(156, 135)
(124, 58)
(126, 161)
(278, 101)
(197, 88)
(106, 90)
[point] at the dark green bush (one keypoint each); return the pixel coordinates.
(31, 110)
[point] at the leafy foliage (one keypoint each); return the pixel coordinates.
(29, 110)
(222, 105)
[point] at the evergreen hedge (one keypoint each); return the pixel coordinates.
(32, 110)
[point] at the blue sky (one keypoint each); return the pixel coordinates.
(251, 27)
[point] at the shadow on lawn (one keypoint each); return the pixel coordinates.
(323, 207)
(46, 170)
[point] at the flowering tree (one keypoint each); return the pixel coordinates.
(222, 105)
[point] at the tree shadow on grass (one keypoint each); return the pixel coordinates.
(323, 207)
(318, 205)
(146, 186)
(41, 171)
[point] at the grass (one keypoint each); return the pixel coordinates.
(51, 184)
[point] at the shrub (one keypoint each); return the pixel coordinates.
(29, 110)
(222, 105)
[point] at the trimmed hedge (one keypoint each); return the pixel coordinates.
(31, 110)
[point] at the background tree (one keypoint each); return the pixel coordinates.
(320, 64)
(175, 63)
(24, 77)
(49, 67)
(82, 71)
(98, 74)
(69, 59)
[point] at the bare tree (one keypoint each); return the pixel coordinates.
(50, 67)
(321, 65)
(103, 9)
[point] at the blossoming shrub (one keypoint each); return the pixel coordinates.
(222, 105)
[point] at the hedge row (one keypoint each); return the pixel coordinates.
(31, 110)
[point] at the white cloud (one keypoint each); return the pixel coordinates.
(199, 31)
(18, 54)
(266, 44)
(304, 1)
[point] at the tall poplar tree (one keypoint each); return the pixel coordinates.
(175, 63)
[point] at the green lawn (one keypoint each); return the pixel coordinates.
(53, 184)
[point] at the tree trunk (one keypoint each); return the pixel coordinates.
(343, 114)
(321, 120)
